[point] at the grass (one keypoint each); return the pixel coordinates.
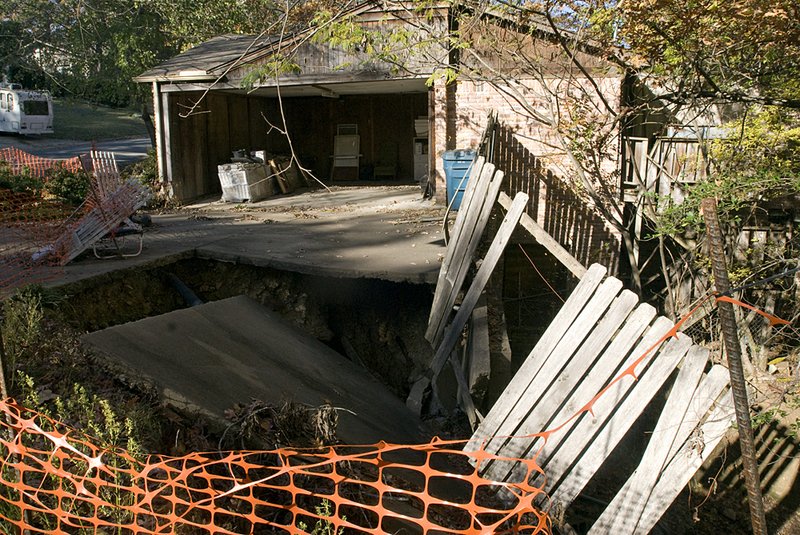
(87, 122)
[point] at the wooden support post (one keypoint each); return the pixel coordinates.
(733, 352)
(453, 331)
(545, 239)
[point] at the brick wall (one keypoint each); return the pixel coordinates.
(527, 151)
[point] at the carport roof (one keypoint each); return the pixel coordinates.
(201, 61)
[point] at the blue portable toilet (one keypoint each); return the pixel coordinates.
(457, 167)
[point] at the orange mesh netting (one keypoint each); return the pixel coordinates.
(63, 483)
(28, 225)
(37, 166)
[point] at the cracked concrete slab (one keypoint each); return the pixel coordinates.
(383, 232)
(212, 356)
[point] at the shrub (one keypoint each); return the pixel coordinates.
(70, 187)
(19, 182)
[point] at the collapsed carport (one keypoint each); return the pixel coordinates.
(206, 105)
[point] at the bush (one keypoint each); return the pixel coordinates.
(19, 182)
(70, 187)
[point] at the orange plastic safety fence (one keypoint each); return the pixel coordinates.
(37, 166)
(28, 225)
(55, 480)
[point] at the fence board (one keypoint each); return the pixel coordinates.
(453, 331)
(615, 412)
(686, 463)
(479, 181)
(106, 173)
(605, 368)
(622, 514)
(546, 240)
(555, 331)
(514, 422)
(465, 246)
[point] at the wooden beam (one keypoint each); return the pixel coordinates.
(453, 332)
(478, 181)
(477, 366)
(544, 238)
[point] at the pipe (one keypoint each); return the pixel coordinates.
(187, 294)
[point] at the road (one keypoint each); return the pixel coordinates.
(127, 150)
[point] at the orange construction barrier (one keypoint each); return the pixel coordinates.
(54, 480)
(19, 160)
(28, 225)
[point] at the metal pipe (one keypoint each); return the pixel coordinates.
(187, 294)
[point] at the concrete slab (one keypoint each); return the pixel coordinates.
(384, 232)
(215, 355)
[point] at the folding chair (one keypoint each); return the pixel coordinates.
(103, 221)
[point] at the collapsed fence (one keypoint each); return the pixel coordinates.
(38, 232)
(29, 222)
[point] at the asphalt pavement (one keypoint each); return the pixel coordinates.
(128, 150)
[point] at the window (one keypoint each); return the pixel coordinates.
(10, 101)
(3, 105)
(35, 107)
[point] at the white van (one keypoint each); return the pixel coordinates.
(25, 111)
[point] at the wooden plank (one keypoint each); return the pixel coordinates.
(620, 352)
(588, 384)
(688, 460)
(546, 240)
(709, 391)
(453, 332)
(555, 331)
(464, 396)
(106, 178)
(570, 361)
(439, 298)
(624, 511)
(283, 184)
(532, 387)
(477, 366)
(98, 222)
(467, 245)
(169, 152)
(618, 408)
(459, 255)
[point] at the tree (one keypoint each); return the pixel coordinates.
(89, 49)
(734, 51)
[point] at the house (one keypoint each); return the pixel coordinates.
(208, 102)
